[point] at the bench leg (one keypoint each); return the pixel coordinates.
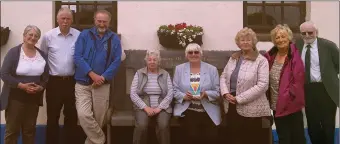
(108, 135)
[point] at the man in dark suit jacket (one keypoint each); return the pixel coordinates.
(321, 58)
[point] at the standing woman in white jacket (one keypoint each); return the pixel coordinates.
(244, 83)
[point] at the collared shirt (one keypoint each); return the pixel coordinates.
(60, 51)
(315, 75)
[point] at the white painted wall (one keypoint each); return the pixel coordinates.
(139, 21)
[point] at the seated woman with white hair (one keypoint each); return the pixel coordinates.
(196, 93)
(151, 94)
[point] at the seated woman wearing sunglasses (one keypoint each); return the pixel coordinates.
(196, 93)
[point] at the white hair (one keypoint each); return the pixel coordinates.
(64, 9)
(155, 53)
(310, 23)
(193, 47)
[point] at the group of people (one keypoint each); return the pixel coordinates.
(287, 78)
(76, 69)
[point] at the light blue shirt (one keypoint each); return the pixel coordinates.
(60, 51)
(315, 75)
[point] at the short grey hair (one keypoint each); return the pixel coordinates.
(64, 9)
(193, 47)
(103, 12)
(32, 27)
(285, 27)
(155, 53)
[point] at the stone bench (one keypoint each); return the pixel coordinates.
(121, 111)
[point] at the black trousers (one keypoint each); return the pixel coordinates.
(246, 130)
(198, 128)
(290, 128)
(60, 92)
(320, 113)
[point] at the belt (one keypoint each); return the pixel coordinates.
(62, 77)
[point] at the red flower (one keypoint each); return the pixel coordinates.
(180, 26)
(184, 25)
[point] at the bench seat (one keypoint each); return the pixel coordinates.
(126, 118)
(122, 118)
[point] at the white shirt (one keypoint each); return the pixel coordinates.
(60, 51)
(315, 75)
(27, 66)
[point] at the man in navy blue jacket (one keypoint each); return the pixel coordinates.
(97, 57)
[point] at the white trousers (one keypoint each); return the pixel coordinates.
(92, 105)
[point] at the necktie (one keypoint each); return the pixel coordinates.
(307, 64)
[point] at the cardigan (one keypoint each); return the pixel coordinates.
(11, 79)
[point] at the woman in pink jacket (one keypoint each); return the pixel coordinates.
(286, 86)
(243, 85)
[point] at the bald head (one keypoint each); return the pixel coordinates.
(309, 32)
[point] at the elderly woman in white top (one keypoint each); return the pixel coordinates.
(196, 93)
(244, 83)
(151, 94)
(25, 74)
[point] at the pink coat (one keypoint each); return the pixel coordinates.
(291, 86)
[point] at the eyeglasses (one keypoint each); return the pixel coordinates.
(193, 52)
(309, 33)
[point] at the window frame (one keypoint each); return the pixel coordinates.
(263, 31)
(77, 25)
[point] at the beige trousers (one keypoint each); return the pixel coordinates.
(92, 104)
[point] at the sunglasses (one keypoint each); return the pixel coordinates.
(193, 52)
(309, 33)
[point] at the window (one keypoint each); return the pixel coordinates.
(263, 16)
(83, 12)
